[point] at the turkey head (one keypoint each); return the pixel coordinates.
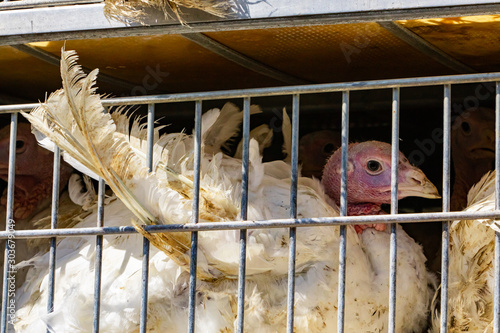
(33, 172)
(369, 180)
(473, 151)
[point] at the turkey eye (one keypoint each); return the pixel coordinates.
(328, 148)
(374, 166)
(466, 127)
(19, 146)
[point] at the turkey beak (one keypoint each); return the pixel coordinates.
(416, 184)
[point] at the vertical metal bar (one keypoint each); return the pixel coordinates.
(145, 248)
(98, 258)
(150, 137)
(53, 225)
(446, 205)
(496, 310)
(196, 205)
(244, 207)
(98, 250)
(394, 208)
(9, 225)
(145, 278)
(293, 213)
(343, 211)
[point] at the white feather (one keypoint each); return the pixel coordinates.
(220, 126)
(262, 134)
(81, 190)
(46, 143)
(471, 265)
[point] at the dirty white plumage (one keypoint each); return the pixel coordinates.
(128, 11)
(74, 119)
(471, 264)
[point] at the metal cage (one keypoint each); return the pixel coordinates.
(293, 223)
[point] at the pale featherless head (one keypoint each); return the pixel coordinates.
(369, 175)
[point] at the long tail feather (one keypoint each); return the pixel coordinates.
(75, 120)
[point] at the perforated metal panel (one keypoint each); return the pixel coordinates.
(473, 40)
(333, 53)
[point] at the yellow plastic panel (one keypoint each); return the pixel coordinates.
(333, 53)
(152, 64)
(26, 77)
(474, 40)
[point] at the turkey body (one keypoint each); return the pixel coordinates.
(471, 265)
(32, 193)
(316, 283)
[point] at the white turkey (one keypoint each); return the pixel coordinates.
(473, 155)
(33, 182)
(471, 251)
(74, 119)
(471, 264)
(32, 191)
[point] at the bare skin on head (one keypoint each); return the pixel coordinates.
(369, 180)
(33, 174)
(473, 151)
(314, 150)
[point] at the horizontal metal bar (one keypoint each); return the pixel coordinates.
(9, 5)
(289, 90)
(239, 225)
(41, 24)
